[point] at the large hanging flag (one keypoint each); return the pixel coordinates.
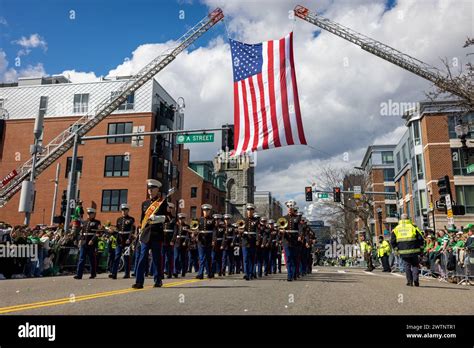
(266, 106)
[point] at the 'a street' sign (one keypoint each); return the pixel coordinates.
(323, 195)
(470, 168)
(195, 138)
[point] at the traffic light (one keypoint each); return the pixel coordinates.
(228, 138)
(444, 188)
(309, 193)
(63, 204)
(426, 221)
(459, 210)
(336, 191)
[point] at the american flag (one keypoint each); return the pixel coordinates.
(266, 106)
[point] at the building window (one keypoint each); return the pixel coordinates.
(469, 119)
(458, 158)
(465, 196)
(423, 199)
(417, 204)
(387, 157)
(399, 165)
(413, 170)
(119, 128)
(81, 103)
(416, 132)
(193, 212)
(194, 191)
(68, 166)
(419, 167)
(117, 165)
(112, 199)
(391, 210)
(128, 104)
(404, 154)
(207, 193)
(388, 174)
(43, 106)
(407, 209)
(405, 183)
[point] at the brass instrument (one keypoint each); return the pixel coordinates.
(240, 224)
(282, 223)
(194, 225)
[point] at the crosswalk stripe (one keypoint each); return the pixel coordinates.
(340, 271)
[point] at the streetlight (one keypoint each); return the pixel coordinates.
(379, 218)
(462, 131)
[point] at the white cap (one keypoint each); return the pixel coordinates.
(290, 204)
(90, 210)
(181, 215)
(256, 215)
(206, 207)
(271, 221)
(263, 218)
(250, 206)
(227, 216)
(217, 216)
(124, 206)
(153, 183)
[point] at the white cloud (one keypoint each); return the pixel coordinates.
(79, 76)
(11, 75)
(34, 41)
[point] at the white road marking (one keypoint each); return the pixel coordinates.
(396, 274)
(369, 273)
(340, 271)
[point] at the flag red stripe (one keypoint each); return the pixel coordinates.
(236, 115)
(271, 89)
(255, 117)
(246, 117)
(264, 112)
(284, 96)
(299, 122)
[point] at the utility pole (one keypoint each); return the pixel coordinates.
(55, 195)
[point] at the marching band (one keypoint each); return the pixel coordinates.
(212, 244)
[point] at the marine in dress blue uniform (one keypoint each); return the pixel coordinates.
(125, 228)
(205, 235)
(289, 236)
(228, 246)
(167, 250)
(89, 237)
(151, 234)
(249, 242)
(181, 242)
(217, 244)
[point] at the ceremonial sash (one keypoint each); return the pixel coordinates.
(150, 211)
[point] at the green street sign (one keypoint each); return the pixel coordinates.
(323, 195)
(195, 138)
(470, 168)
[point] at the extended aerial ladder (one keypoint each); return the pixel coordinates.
(388, 53)
(64, 141)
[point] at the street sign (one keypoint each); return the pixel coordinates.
(470, 168)
(357, 192)
(449, 209)
(195, 138)
(9, 177)
(323, 195)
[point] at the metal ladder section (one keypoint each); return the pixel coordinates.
(385, 52)
(64, 141)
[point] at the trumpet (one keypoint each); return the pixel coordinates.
(282, 223)
(241, 224)
(194, 225)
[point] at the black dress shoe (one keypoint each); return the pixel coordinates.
(289, 280)
(158, 285)
(133, 274)
(417, 284)
(92, 277)
(137, 286)
(183, 275)
(77, 277)
(247, 278)
(409, 284)
(126, 276)
(175, 275)
(111, 276)
(244, 277)
(169, 276)
(199, 277)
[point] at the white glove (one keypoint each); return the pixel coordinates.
(157, 219)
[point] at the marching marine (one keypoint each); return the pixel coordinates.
(125, 228)
(205, 234)
(248, 231)
(89, 237)
(181, 242)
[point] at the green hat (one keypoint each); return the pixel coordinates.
(468, 227)
(452, 229)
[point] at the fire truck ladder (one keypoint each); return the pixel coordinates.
(388, 53)
(64, 141)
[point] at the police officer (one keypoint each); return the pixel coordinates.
(125, 228)
(249, 241)
(204, 238)
(217, 244)
(181, 242)
(383, 252)
(289, 236)
(153, 216)
(89, 236)
(366, 250)
(228, 245)
(237, 242)
(168, 247)
(409, 243)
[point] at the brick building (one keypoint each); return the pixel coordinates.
(379, 164)
(438, 152)
(200, 184)
(113, 171)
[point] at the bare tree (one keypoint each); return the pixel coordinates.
(341, 215)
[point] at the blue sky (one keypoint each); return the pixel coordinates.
(102, 34)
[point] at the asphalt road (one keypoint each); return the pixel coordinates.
(327, 291)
